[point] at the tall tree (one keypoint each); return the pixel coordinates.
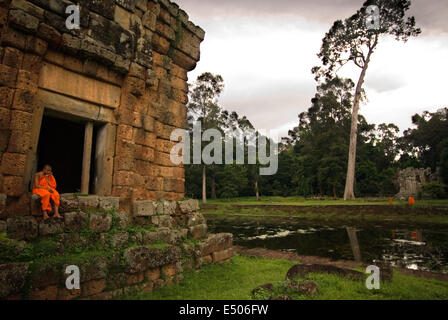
(355, 40)
(204, 107)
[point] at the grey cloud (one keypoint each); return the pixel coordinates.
(383, 83)
(431, 15)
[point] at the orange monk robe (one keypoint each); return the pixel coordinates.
(46, 195)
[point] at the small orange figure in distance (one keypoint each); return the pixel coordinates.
(390, 201)
(411, 201)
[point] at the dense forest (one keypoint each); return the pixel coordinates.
(312, 159)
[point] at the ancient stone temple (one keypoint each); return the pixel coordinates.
(411, 179)
(98, 103)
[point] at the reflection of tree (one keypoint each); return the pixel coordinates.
(354, 243)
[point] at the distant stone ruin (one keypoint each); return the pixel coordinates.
(411, 179)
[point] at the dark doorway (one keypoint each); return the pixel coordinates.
(61, 145)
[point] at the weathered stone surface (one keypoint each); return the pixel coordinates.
(88, 202)
(22, 228)
(100, 222)
(12, 279)
(195, 218)
(142, 258)
(152, 274)
(197, 232)
(219, 256)
(93, 269)
(411, 179)
(51, 226)
(166, 207)
(2, 226)
(122, 220)
(118, 240)
(109, 203)
(68, 203)
(216, 242)
(76, 221)
(46, 275)
(144, 208)
(188, 206)
(301, 270)
(162, 221)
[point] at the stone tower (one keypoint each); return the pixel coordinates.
(98, 102)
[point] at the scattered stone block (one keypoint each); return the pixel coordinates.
(219, 256)
(118, 240)
(216, 242)
(301, 270)
(188, 206)
(22, 228)
(198, 232)
(152, 274)
(144, 208)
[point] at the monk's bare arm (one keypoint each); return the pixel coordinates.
(36, 182)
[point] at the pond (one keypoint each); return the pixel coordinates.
(422, 248)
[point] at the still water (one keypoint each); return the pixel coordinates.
(424, 248)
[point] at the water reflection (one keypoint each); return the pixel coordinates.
(422, 249)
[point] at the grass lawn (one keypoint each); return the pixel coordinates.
(291, 207)
(301, 201)
(235, 281)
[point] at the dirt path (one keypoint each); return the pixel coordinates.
(275, 254)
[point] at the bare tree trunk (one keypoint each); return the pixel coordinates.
(204, 186)
(354, 244)
(213, 195)
(256, 191)
(350, 179)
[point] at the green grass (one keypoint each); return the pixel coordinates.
(301, 201)
(232, 208)
(235, 281)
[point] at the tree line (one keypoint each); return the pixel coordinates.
(333, 151)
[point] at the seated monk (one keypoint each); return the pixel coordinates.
(45, 187)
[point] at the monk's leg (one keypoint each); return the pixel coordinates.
(46, 205)
(55, 198)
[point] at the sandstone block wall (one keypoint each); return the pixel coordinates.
(114, 257)
(125, 67)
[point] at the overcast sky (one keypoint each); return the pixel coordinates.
(265, 50)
